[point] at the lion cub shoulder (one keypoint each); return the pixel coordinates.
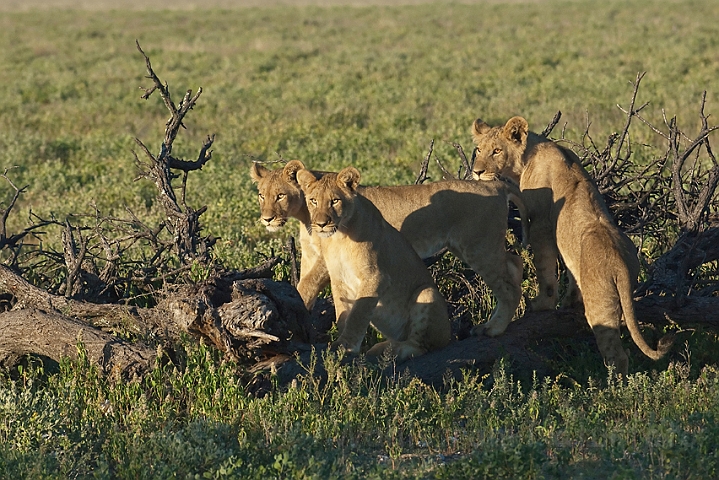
(375, 275)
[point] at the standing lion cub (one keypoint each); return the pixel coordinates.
(568, 216)
(375, 275)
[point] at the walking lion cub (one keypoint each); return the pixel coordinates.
(375, 275)
(568, 216)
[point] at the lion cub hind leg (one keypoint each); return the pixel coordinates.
(426, 328)
(609, 342)
(432, 329)
(603, 313)
(401, 350)
(353, 323)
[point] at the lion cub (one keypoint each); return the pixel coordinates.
(375, 275)
(568, 216)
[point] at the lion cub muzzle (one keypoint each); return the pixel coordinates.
(274, 223)
(484, 175)
(324, 229)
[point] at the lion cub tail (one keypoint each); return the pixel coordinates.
(625, 289)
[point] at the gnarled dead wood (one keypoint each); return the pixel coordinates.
(246, 318)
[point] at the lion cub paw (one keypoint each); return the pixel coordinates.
(342, 345)
(486, 330)
(538, 304)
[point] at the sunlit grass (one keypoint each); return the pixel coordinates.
(197, 418)
(368, 86)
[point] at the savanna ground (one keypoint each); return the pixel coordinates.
(362, 85)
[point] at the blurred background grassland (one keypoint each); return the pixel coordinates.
(363, 85)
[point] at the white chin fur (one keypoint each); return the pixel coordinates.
(325, 234)
(488, 176)
(273, 228)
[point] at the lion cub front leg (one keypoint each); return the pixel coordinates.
(545, 262)
(355, 324)
(312, 281)
(314, 276)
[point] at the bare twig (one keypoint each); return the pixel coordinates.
(13, 242)
(445, 173)
(425, 165)
(555, 120)
(465, 163)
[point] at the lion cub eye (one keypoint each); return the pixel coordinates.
(313, 202)
(262, 197)
(335, 201)
(281, 196)
(497, 151)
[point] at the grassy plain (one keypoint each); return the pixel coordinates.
(369, 86)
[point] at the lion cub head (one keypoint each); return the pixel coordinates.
(330, 199)
(280, 195)
(499, 149)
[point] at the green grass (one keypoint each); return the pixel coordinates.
(368, 86)
(200, 422)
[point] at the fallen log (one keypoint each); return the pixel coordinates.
(34, 332)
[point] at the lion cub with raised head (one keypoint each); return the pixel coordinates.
(467, 217)
(375, 275)
(568, 216)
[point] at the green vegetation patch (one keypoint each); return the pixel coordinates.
(199, 421)
(367, 86)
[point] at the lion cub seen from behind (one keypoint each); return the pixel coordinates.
(375, 275)
(568, 217)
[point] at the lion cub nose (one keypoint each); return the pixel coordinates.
(268, 219)
(321, 224)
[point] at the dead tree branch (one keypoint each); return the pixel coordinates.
(184, 220)
(13, 242)
(61, 337)
(693, 191)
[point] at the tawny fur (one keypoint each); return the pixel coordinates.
(376, 276)
(568, 217)
(467, 217)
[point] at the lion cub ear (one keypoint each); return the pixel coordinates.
(305, 178)
(258, 172)
(516, 130)
(479, 128)
(348, 178)
(291, 169)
